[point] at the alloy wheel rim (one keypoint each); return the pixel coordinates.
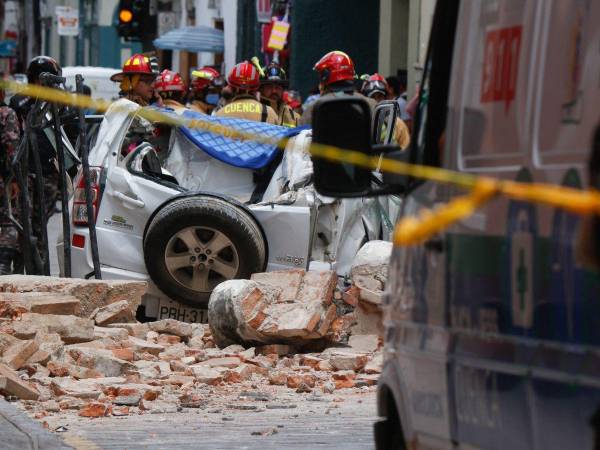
(199, 258)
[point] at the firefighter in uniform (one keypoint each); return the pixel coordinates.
(376, 87)
(244, 79)
(137, 79)
(137, 85)
(272, 86)
(205, 90)
(9, 140)
(336, 78)
(169, 85)
(294, 101)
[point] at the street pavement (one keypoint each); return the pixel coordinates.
(17, 431)
(340, 421)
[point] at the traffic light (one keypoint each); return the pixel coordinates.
(135, 22)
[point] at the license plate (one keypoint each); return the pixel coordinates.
(168, 309)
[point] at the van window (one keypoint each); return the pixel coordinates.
(497, 84)
(566, 113)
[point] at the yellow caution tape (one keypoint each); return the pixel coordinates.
(410, 230)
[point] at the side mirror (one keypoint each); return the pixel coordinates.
(384, 121)
(145, 160)
(343, 122)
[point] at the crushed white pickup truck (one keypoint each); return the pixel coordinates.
(198, 209)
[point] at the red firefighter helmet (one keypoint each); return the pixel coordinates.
(245, 76)
(169, 81)
(335, 66)
(137, 65)
(377, 77)
(203, 77)
(375, 84)
(293, 99)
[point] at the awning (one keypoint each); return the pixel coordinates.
(192, 39)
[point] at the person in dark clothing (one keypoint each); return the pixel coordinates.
(22, 105)
(9, 140)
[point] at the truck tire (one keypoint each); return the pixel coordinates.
(195, 243)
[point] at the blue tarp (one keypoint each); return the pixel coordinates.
(238, 153)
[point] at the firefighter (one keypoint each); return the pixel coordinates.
(9, 140)
(205, 90)
(336, 78)
(169, 85)
(376, 87)
(137, 85)
(273, 82)
(294, 101)
(137, 79)
(244, 79)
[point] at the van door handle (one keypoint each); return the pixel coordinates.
(130, 200)
(435, 245)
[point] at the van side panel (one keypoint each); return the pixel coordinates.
(523, 311)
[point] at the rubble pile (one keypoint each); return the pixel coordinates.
(295, 327)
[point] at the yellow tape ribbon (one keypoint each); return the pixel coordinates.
(410, 230)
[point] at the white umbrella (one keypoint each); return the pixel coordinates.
(192, 39)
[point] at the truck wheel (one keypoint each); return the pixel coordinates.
(195, 243)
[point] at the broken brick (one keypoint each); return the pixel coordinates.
(126, 354)
(172, 326)
(95, 409)
(118, 312)
(295, 380)
(18, 353)
(287, 281)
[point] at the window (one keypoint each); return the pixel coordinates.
(568, 94)
(497, 84)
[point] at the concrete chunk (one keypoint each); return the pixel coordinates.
(365, 343)
(118, 312)
(71, 329)
(11, 384)
(17, 354)
(206, 375)
(287, 281)
(87, 389)
(119, 334)
(229, 362)
(92, 294)
(138, 330)
(370, 267)
(250, 312)
(45, 303)
(6, 340)
(172, 326)
(102, 361)
(140, 345)
(318, 287)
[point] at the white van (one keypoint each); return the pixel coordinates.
(492, 334)
(97, 78)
